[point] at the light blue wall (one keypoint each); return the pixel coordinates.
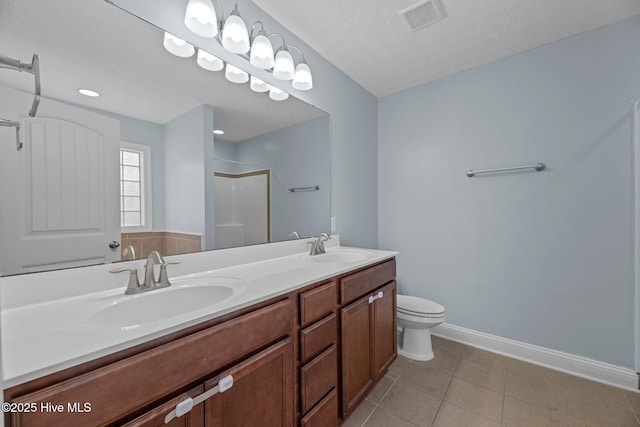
(299, 157)
(353, 110)
(543, 257)
(188, 140)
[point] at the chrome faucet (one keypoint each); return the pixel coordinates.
(135, 287)
(317, 246)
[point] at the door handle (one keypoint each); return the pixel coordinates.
(114, 244)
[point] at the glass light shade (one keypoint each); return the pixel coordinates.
(209, 62)
(235, 75)
(302, 80)
(200, 17)
(258, 85)
(283, 67)
(177, 46)
(277, 94)
(235, 37)
(261, 52)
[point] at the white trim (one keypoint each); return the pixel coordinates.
(557, 360)
(147, 210)
(635, 162)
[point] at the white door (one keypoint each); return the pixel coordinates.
(59, 204)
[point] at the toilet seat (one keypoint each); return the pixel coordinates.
(420, 307)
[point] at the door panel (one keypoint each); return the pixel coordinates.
(384, 329)
(262, 392)
(357, 372)
(60, 194)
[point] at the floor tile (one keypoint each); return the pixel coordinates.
(425, 379)
(484, 357)
(634, 400)
(450, 347)
(378, 392)
(534, 386)
(479, 400)
(398, 366)
(412, 404)
(453, 416)
(360, 415)
(381, 417)
(494, 378)
(597, 404)
(443, 361)
(522, 414)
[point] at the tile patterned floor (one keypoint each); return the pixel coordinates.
(468, 387)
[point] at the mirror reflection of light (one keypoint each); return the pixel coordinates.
(218, 131)
(89, 92)
(236, 75)
(258, 85)
(277, 94)
(177, 46)
(208, 61)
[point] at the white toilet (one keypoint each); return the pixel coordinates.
(415, 318)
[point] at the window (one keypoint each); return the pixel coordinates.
(135, 187)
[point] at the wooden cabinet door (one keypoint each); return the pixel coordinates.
(357, 349)
(262, 391)
(384, 330)
(155, 417)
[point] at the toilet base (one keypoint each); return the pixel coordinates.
(415, 344)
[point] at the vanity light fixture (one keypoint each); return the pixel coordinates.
(235, 75)
(200, 17)
(302, 79)
(177, 46)
(209, 61)
(218, 132)
(89, 92)
(283, 68)
(235, 37)
(258, 85)
(261, 55)
(277, 94)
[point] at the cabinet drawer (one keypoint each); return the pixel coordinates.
(318, 377)
(318, 336)
(119, 389)
(317, 303)
(358, 284)
(325, 414)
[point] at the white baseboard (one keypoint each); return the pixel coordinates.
(557, 360)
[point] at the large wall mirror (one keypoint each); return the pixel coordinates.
(138, 168)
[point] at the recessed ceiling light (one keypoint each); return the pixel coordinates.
(218, 132)
(88, 92)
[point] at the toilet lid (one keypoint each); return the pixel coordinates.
(409, 305)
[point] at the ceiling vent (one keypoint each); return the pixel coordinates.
(423, 13)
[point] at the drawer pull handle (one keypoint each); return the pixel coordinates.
(372, 298)
(187, 405)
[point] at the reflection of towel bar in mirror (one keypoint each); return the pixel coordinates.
(538, 167)
(33, 68)
(294, 189)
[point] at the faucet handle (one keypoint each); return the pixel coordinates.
(163, 280)
(133, 284)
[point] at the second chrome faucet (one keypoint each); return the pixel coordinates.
(317, 246)
(150, 283)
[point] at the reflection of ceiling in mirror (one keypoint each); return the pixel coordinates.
(94, 45)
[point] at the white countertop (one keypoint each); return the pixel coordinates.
(48, 319)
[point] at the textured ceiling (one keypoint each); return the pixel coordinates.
(369, 41)
(91, 44)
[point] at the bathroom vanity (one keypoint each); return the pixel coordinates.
(295, 346)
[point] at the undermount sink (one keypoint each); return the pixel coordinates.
(340, 256)
(153, 306)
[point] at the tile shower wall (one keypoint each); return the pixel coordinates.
(540, 257)
(165, 242)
